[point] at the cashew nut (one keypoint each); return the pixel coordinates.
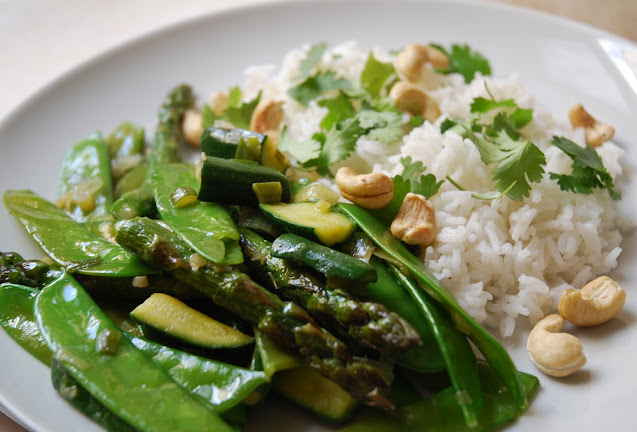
(370, 191)
(413, 99)
(597, 133)
(597, 302)
(554, 353)
(267, 118)
(218, 102)
(415, 223)
(192, 127)
(411, 61)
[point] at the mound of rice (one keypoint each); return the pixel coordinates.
(502, 259)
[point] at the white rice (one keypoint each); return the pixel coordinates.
(503, 260)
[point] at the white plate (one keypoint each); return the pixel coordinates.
(559, 61)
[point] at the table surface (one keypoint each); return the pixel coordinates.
(40, 41)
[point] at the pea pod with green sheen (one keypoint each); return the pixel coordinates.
(442, 413)
(124, 380)
(67, 242)
(205, 226)
(457, 353)
(493, 351)
(71, 390)
(140, 202)
(84, 186)
(286, 323)
(125, 141)
(219, 384)
(425, 357)
(16, 318)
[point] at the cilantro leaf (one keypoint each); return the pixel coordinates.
(207, 116)
(415, 121)
(301, 151)
(411, 180)
(335, 145)
(521, 117)
(316, 85)
(482, 105)
(239, 113)
(375, 75)
(339, 109)
(519, 162)
(312, 58)
(588, 171)
(387, 214)
(503, 120)
(466, 62)
(411, 169)
(426, 185)
(381, 126)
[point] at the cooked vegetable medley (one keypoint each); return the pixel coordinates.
(177, 295)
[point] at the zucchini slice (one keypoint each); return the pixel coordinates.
(308, 389)
(303, 218)
(230, 182)
(176, 319)
(224, 143)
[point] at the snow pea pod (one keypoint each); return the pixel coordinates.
(454, 346)
(16, 318)
(204, 226)
(71, 390)
(130, 181)
(218, 384)
(126, 140)
(388, 291)
(84, 185)
(67, 242)
(126, 381)
(493, 351)
(441, 413)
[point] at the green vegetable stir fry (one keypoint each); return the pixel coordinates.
(176, 295)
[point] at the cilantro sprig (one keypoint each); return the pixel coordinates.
(588, 171)
(465, 61)
(499, 141)
(354, 109)
(238, 113)
(412, 180)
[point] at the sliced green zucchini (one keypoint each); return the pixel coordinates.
(308, 389)
(230, 181)
(273, 358)
(272, 157)
(268, 192)
(224, 143)
(316, 192)
(327, 226)
(322, 258)
(171, 316)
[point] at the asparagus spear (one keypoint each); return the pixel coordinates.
(31, 273)
(140, 202)
(286, 323)
(369, 323)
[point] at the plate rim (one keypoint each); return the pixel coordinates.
(162, 31)
(81, 66)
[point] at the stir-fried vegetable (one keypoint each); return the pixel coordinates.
(356, 320)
